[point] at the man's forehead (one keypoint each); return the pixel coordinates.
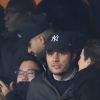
(58, 51)
(27, 67)
(30, 69)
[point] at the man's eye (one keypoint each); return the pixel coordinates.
(30, 72)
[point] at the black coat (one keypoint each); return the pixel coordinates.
(87, 84)
(19, 91)
(42, 89)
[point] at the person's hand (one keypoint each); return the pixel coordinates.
(4, 88)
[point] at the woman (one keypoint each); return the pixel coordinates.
(87, 81)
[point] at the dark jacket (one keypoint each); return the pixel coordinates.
(19, 91)
(87, 84)
(12, 49)
(41, 89)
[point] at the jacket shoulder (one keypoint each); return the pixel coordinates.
(40, 90)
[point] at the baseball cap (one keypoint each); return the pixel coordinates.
(60, 41)
(33, 26)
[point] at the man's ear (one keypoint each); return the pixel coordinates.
(42, 39)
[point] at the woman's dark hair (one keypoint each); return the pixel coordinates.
(92, 51)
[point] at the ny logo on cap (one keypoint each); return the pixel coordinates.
(55, 38)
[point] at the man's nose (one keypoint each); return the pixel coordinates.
(55, 56)
(25, 77)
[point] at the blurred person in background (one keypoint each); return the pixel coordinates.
(15, 13)
(66, 14)
(87, 81)
(37, 44)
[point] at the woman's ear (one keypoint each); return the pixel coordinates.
(88, 61)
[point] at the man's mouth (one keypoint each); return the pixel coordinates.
(56, 66)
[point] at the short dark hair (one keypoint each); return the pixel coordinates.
(92, 51)
(32, 58)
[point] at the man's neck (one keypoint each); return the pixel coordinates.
(65, 77)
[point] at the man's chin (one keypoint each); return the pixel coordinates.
(57, 73)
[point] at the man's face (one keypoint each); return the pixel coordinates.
(26, 71)
(36, 46)
(58, 63)
(12, 19)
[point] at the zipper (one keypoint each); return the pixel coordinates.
(54, 89)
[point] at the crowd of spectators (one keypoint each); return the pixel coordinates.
(50, 50)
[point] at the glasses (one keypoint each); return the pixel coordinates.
(29, 73)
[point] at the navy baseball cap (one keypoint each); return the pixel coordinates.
(60, 41)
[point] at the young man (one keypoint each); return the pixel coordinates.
(16, 11)
(57, 82)
(29, 67)
(37, 44)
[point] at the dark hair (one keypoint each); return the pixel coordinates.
(28, 57)
(92, 51)
(32, 58)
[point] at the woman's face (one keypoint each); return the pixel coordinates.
(83, 63)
